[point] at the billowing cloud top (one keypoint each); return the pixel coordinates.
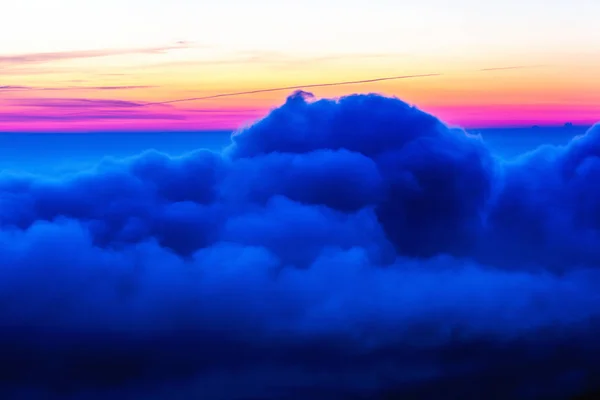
(337, 248)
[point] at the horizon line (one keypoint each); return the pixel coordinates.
(231, 130)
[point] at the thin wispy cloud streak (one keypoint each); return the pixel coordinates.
(12, 88)
(74, 103)
(513, 67)
(74, 88)
(85, 116)
(39, 58)
(111, 104)
(112, 87)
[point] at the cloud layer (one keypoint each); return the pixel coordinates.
(351, 248)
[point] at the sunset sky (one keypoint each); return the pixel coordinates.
(67, 65)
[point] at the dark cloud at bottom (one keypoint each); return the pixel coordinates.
(337, 249)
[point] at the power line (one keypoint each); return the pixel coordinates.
(314, 85)
(389, 78)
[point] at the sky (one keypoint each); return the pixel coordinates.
(69, 65)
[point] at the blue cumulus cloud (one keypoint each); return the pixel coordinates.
(337, 249)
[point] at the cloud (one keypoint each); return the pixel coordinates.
(74, 103)
(7, 88)
(40, 58)
(336, 249)
(512, 67)
(124, 87)
(23, 117)
(71, 88)
(83, 110)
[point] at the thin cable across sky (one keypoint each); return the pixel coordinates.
(388, 78)
(314, 85)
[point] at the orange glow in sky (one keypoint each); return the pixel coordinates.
(496, 67)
